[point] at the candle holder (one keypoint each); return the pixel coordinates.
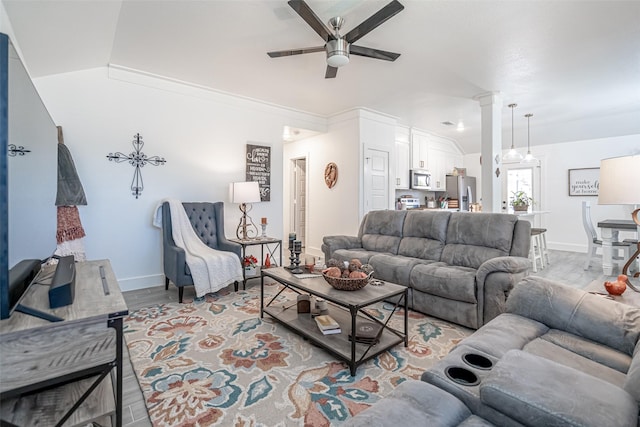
(297, 249)
(292, 257)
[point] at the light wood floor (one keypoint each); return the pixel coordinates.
(566, 267)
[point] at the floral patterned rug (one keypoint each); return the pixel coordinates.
(215, 362)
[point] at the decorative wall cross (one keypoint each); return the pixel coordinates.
(137, 159)
(18, 150)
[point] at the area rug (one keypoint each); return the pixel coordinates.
(215, 362)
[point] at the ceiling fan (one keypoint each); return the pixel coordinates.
(338, 47)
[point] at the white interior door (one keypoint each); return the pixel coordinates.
(376, 180)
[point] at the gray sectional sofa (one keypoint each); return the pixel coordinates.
(459, 266)
(558, 356)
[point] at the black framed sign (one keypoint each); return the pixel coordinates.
(259, 169)
(584, 182)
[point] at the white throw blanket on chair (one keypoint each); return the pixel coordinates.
(211, 269)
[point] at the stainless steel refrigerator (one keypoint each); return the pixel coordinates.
(462, 188)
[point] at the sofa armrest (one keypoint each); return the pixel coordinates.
(505, 264)
(576, 311)
(330, 244)
(495, 279)
(537, 391)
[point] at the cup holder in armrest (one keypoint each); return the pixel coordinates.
(477, 361)
(461, 376)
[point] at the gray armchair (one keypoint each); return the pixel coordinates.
(207, 220)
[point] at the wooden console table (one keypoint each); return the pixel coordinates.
(55, 373)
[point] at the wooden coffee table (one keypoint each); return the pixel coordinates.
(346, 307)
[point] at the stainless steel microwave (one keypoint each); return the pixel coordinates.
(420, 179)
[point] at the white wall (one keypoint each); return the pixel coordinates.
(329, 210)
(202, 134)
(378, 132)
(564, 223)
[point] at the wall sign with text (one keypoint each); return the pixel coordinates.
(259, 168)
(584, 182)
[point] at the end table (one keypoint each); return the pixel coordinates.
(270, 244)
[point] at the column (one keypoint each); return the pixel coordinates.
(491, 150)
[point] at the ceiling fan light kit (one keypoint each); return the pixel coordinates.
(338, 47)
(337, 53)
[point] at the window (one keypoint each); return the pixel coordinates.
(522, 177)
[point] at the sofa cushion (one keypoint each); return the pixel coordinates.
(591, 350)
(381, 231)
(538, 391)
(456, 283)
(424, 234)
(632, 382)
(543, 348)
(573, 310)
(473, 238)
(504, 333)
(394, 268)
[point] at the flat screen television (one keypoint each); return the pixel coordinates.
(28, 173)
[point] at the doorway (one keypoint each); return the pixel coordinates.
(376, 180)
(298, 203)
(522, 177)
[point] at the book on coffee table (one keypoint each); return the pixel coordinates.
(366, 332)
(327, 324)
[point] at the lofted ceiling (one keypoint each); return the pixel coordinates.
(574, 64)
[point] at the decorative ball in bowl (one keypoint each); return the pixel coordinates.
(347, 276)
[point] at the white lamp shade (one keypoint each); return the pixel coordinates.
(620, 181)
(246, 192)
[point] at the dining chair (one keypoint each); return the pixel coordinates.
(594, 243)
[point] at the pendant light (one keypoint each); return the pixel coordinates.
(513, 153)
(529, 157)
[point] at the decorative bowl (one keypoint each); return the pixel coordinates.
(347, 284)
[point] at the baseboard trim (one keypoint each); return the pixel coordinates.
(141, 282)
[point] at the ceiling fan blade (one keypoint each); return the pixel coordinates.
(312, 19)
(291, 52)
(373, 21)
(331, 72)
(373, 53)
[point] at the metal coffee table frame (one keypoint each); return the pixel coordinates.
(346, 307)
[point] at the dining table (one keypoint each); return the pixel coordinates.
(610, 230)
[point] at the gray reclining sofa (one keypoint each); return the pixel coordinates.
(558, 356)
(459, 266)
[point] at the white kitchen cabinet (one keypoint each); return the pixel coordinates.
(419, 150)
(442, 157)
(403, 154)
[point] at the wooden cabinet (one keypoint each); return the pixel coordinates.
(403, 155)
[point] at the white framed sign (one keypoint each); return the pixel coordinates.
(584, 182)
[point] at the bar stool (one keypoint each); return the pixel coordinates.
(538, 248)
(543, 243)
(534, 251)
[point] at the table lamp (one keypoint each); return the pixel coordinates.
(620, 185)
(246, 193)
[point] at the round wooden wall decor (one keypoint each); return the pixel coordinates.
(331, 174)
